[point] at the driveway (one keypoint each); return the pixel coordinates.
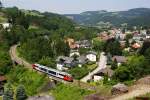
(101, 65)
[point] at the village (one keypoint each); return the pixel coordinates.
(48, 55)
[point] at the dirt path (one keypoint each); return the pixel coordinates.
(134, 91)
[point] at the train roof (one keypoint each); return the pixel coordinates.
(52, 69)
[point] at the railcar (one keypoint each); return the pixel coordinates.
(53, 72)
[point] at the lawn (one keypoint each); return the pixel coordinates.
(32, 81)
(66, 92)
(80, 72)
(0, 97)
(2, 19)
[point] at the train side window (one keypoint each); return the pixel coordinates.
(43, 69)
(51, 72)
(61, 74)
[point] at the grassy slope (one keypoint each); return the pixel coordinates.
(32, 81)
(65, 92)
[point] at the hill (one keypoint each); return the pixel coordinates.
(137, 16)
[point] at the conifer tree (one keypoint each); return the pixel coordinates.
(21, 93)
(8, 92)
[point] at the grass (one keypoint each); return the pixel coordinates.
(2, 19)
(1, 98)
(66, 92)
(80, 72)
(33, 27)
(32, 81)
(104, 89)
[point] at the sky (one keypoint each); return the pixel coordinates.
(76, 6)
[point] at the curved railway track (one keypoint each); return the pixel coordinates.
(20, 61)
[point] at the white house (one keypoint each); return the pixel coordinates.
(91, 56)
(59, 66)
(5, 25)
(74, 52)
(100, 75)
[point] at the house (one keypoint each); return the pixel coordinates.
(74, 52)
(91, 56)
(83, 44)
(137, 37)
(72, 43)
(5, 25)
(144, 32)
(119, 59)
(122, 44)
(82, 60)
(2, 82)
(100, 75)
(64, 62)
(136, 46)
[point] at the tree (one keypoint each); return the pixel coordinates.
(122, 74)
(8, 92)
(138, 66)
(145, 46)
(98, 45)
(147, 54)
(113, 47)
(114, 65)
(46, 61)
(21, 93)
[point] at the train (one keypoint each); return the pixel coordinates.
(53, 72)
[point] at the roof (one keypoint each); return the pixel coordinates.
(65, 59)
(136, 45)
(92, 52)
(119, 59)
(82, 59)
(106, 71)
(2, 78)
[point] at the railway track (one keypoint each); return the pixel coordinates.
(20, 61)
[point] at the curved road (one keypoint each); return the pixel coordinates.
(101, 65)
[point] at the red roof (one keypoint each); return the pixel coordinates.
(136, 45)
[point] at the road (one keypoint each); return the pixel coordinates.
(101, 65)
